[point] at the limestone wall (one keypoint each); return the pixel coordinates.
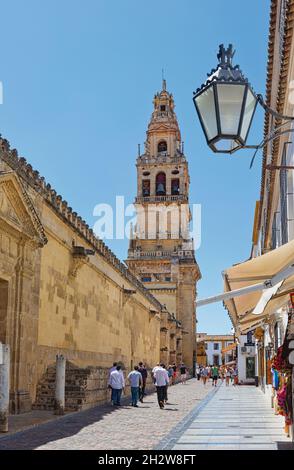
(85, 314)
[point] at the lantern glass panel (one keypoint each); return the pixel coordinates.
(248, 113)
(230, 99)
(206, 107)
(226, 145)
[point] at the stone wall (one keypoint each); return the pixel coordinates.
(55, 297)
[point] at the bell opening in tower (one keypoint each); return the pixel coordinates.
(162, 147)
(175, 187)
(145, 188)
(161, 184)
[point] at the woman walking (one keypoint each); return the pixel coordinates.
(228, 376)
(204, 375)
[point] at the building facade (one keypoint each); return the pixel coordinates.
(217, 349)
(161, 252)
(270, 320)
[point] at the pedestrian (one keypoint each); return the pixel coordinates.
(235, 376)
(198, 372)
(143, 371)
(165, 393)
(222, 374)
(204, 375)
(174, 373)
(183, 372)
(109, 386)
(161, 382)
(214, 374)
(170, 372)
(153, 372)
(117, 383)
(136, 380)
(228, 376)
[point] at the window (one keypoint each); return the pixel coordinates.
(145, 188)
(275, 231)
(215, 346)
(206, 346)
(162, 146)
(161, 184)
(162, 107)
(175, 187)
(283, 196)
(168, 279)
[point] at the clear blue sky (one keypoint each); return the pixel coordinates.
(79, 79)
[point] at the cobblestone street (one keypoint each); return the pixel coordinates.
(105, 427)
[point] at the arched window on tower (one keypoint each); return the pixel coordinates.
(145, 188)
(175, 187)
(162, 146)
(161, 184)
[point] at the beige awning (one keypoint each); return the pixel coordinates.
(251, 272)
(229, 348)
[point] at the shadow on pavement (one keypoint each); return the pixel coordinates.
(66, 426)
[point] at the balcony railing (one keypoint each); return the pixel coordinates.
(161, 158)
(183, 254)
(168, 198)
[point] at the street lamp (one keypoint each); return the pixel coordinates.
(226, 104)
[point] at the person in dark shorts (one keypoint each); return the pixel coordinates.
(143, 371)
(183, 372)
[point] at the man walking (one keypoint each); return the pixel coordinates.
(214, 374)
(109, 386)
(161, 382)
(136, 380)
(117, 384)
(143, 371)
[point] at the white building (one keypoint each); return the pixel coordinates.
(214, 346)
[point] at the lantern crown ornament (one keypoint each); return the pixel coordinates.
(225, 104)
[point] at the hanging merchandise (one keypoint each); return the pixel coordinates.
(278, 362)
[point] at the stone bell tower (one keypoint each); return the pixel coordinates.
(161, 251)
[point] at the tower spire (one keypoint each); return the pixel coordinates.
(163, 81)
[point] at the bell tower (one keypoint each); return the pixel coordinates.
(161, 252)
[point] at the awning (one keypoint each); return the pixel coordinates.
(229, 348)
(249, 309)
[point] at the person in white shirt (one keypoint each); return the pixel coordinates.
(117, 384)
(109, 372)
(136, 380)
(154, 370)
(161, 383)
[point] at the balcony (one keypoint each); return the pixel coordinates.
(182, 254)
(162, 157)
(167, 198)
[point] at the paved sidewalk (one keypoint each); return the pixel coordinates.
(105, 427)
(234, 418)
